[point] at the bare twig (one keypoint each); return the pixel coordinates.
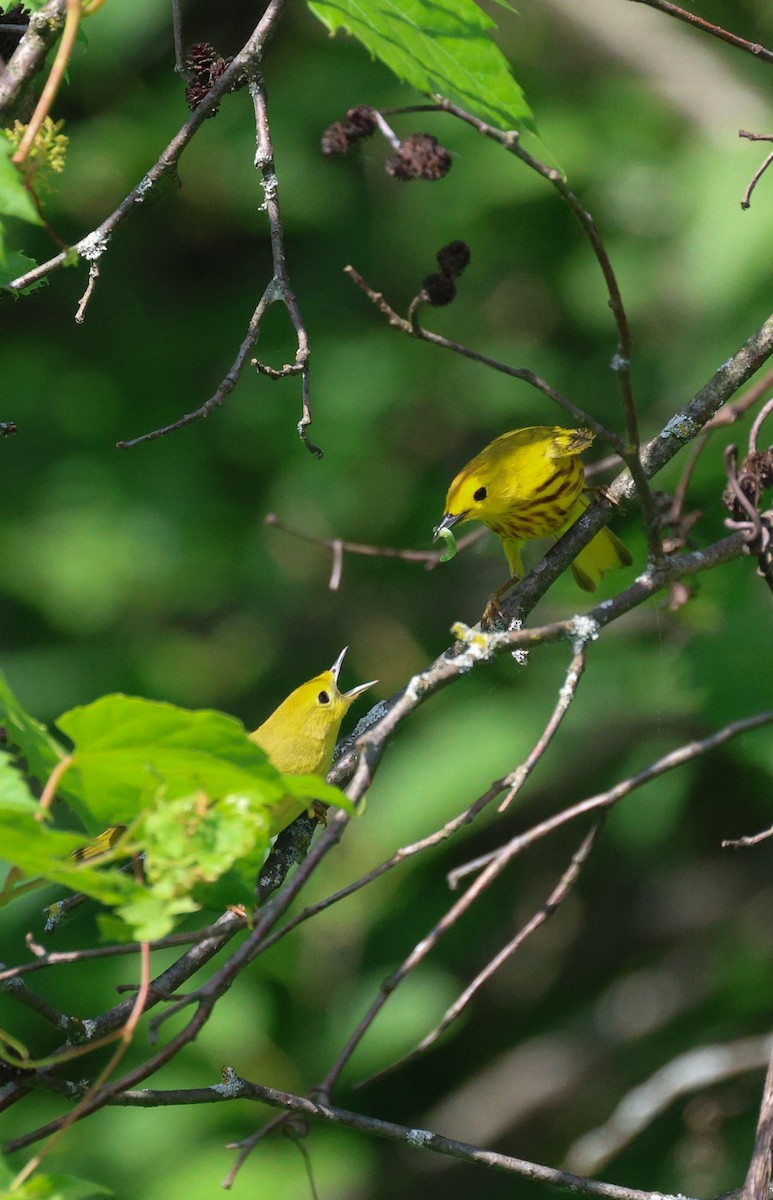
(339, 547)
(698, 1069)
(455, 1010)
(278, 289)
(80, 314)
(177, 34)
(36, 1003)
(732, 39)
(226, 387)
(248, 1144)
(757, 424)
(523, 373)
(728, 414)
(757, 176)
(752, 840)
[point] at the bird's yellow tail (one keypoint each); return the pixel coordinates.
(601, 554)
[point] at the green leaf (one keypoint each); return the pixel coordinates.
(49, 1187)
(12, 265)
(129, 750)
(14, 792)
(437, 46)
(188, 841)
(34, 743)
(151, 916)
(14, 198)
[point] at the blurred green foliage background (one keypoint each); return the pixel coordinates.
(152, 572)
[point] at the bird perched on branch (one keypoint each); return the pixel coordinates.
(300, 735)
(528, 484)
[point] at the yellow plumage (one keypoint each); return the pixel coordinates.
(528, 484)
(300, 735)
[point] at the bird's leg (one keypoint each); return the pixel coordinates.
(493, 613)
(601, 491)
(318, 809)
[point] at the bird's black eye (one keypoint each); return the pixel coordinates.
(480, 494)
(323, 698)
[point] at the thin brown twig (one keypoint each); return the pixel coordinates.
(523, 373)
(455, 1010)
(248, 1144)
(338, 547)
(177, 34)
(80, 312)
(460, 821)
(19, 991)
(757, 176)
(61, 958)
(225, 388)
(566, 695)
(693, 1071)
(278, 289)
(757, 424)
(732, 39)
(750, 840)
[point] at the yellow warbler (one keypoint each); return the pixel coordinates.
(529, 483)
(300, 735)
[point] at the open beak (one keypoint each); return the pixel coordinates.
(336, 667)
(357, 691)
(448, 522)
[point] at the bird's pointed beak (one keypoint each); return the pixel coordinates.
(448, 522)
(357, 691)
(336, 667)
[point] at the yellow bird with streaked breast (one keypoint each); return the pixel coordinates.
(527, 484)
